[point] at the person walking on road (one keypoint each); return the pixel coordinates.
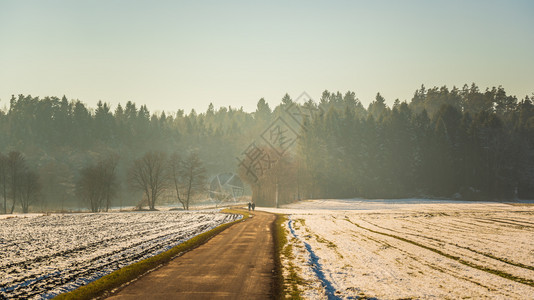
(249, 206)
(253, 205)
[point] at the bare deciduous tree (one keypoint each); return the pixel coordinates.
(188, 177)
(29, 188)
(88, 187)
(109, 178)
(98, 184)
(174, 169)
(4, 179)
(272, 177)
(148, 174)
(16, 166)
(58, 183)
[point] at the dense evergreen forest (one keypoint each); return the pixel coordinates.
(454, 143)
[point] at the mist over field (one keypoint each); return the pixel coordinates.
(266, 150)
(445, 143)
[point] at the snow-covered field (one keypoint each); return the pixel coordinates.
(397, 249)
(44, 255)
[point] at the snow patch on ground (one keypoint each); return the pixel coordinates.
(45, 255)
(315, 265)
(412, 248)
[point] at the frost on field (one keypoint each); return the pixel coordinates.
(48, 255)
(392, 250)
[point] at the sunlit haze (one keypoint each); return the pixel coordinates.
(181, 55)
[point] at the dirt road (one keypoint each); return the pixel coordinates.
(235, 264)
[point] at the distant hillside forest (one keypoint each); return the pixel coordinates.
(451, 143)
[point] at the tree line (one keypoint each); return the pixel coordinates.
(65, 141)
(461, 142)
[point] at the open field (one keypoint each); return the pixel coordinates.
(43, 256)
(411, 249)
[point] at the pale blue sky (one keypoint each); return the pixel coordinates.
(171, 54)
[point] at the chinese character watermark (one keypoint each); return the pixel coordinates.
(279, 137)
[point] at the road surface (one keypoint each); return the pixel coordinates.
(235, 264)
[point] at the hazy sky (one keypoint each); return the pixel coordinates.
(171, 54)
